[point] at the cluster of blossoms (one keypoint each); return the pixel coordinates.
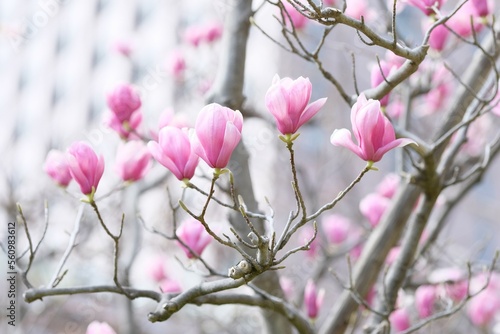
(216, 134)
(450, 285)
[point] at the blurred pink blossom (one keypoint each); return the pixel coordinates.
(336, 228)
(360, 8)
(426, 6)
(176, 64)
(392, 255)
(299, 21)
(373, 206)
(400, 320)
(168, 285)
(123, 47)
(96, 327)
(288, 99)
(156, 269)
(123, 102)
(373, 131)
(85, 167)
(313, 300)
(451, 281)
(208, 32)
(132, 160)
(193, 234)
(126, 130)
(169, 117)
(438, 37)
(461, 21)
(56, 166)
(425, 297)
(481, 7)
(482, 308)
(377, 77)
(287, 286)
(218, 132)
(305, 235)
(395, 108)
(175, 152)
(389, 185)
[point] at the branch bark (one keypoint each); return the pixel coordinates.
(228, 90)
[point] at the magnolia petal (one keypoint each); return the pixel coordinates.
(232, 137)
(311, 110)
(396, 143)
(158, 154)
(342, 137)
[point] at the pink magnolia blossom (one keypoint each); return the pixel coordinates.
(395, 109)
(329, 3)
(451, 281)
(175, 152)
(305, 235)
(218, 132)
(288, 99)
(212, 31)
(96, 327)
(287, 286)
(123, 47)
(373, 207)
(169, 117)
(425, 297)
(123, 102)
(481, 7)
(393, 255)
(389, 185)
(193, 234)
(156, 269)
(126, 130)
(426, 6)
(483, 307)
(377, 77)
(176, 64)
(299, 21)
(400, 320)
(313, 300)
(85, 167)
(207, 32)
(170, 286)
(336, 228)
(439, 36)
(359, 8)
(461, 21)
(56, 166)
(373, 131)
(132, 160)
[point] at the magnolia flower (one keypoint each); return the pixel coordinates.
(299, 21)
(193, 234)
(373, 131)
(336, 228)
(176, 64)
(425, 297)
(56, 166)
(132, 160)
(481, 7)
(97, 327)
(460, 23)
(126, 130)
(313, 299)
(379, 74)
(400, 320)
(439, 36)
(218, 132)
(123, 102)
(288, 99)
(373, 206)
(85, 167)
(427, 6)
(305, 235)
(174, 151)
(389, 184)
